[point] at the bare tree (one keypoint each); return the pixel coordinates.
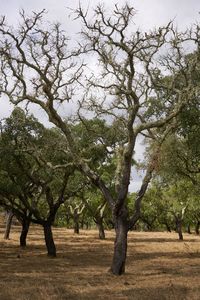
(138, 89)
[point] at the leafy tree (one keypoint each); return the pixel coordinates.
(75, 210)
(33, 180)
(96, 209)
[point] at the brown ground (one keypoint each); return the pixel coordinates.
(158, 267)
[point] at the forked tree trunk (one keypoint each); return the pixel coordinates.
(101, 229)
(120, 245)
(8, 225)
(51, 248)
(197, 227)
(24, 232)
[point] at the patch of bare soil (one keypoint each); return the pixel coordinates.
(158, 267)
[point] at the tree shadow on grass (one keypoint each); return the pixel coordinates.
(162, 240)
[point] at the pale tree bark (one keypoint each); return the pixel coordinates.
(98, 216)
(9, 217)
(75, 213)
(101, 230)
(179, 216)
(179, 222)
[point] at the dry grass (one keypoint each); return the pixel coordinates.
(158, 267)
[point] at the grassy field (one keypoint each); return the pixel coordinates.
(158, 267)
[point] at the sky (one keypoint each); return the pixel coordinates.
(149, 14)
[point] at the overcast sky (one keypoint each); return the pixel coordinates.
(150, 14)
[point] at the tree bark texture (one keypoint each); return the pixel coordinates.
(179, 229)
(120, 245)
(51, 248)
(24, 232)
(101, 230)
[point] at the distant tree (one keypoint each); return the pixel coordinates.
(177, 197)
(96, 210)
(9, 217)
(75, 209)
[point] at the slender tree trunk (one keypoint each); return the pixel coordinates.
(76, 223)
(120, 245)
(179, 229)
(67, 219)
(24, 232)
(82, 222)
(51, 248)
(197, 227)
(188, 229)
(100, 227)
(8, 224)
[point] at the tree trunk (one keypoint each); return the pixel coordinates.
(8, 224)
(120, 245)
(76, 223)
(167, 227)
(51, 248)
(24, 232)
(179, 229)
(67, 219)
(197, 227)
(82, 222)
(101, 229)
(188, 229)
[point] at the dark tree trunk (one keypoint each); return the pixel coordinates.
(67, 219)
(197, 227)
(24, 232)
(179, 229)
(100, 226)
(51, 248)
(8, 225)
(188, 229)
(82, 222)
(120, 245)
(167, 227)
(76, 223)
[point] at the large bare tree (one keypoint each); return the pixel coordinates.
(136, 89)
